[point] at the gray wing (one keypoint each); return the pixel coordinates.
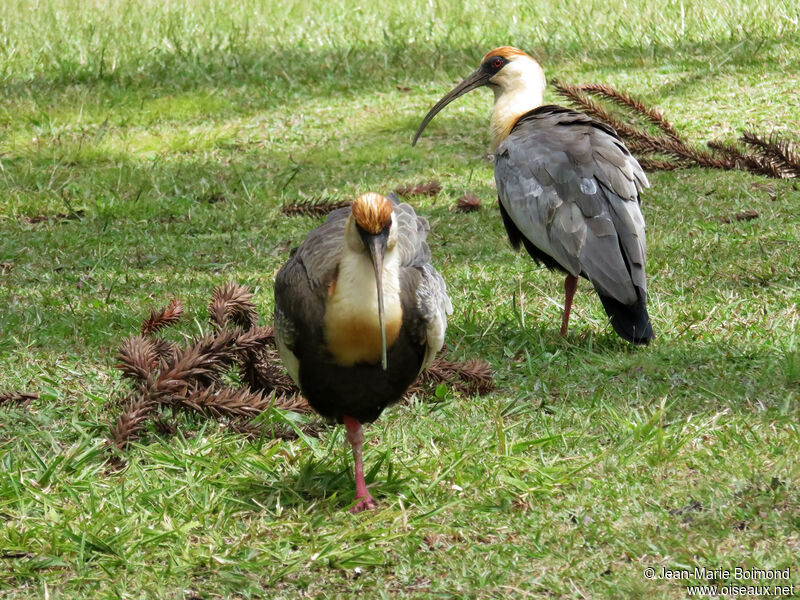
(301, 285)
(572, 188)
(430, 293)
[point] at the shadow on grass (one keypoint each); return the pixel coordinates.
(261, 72)
(314, 481)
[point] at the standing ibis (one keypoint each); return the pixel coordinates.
(568, 189)
(359, 312)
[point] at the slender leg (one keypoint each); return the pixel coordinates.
(355, 435)
(570, 285)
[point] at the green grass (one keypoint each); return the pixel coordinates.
(174, 131)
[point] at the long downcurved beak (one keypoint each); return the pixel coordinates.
(376, 246)
(476, 79)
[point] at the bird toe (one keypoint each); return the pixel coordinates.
(364, 504)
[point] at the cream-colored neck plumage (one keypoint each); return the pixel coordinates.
(518, 88)
(351, 315)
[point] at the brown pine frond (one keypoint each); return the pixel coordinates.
(164, 318)
(639, 141)
(468, 202)
(431, 188)
(293, 402)
(478, 376)
(471, 377)
(744, 161)
(265, 372)
(198, 365)
(232, 304)
(440, 371)
(631, 103)
(595, 110)
(137, 357)
(745, 215)
(132, 421)
(227, 402)
(202, 362)
(12, 397)
(312, 208)
(644, 143)
(165, 427)
(165, 350)
(255, 338)
(654, 164)
(781, 153)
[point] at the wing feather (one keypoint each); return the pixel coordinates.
(572, 188)
(301, 286)
(427, 285)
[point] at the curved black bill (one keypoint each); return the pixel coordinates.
(475, 80)
(376, 246)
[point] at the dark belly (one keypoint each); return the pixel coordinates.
(362, 390)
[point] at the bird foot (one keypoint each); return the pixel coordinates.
(366, 503)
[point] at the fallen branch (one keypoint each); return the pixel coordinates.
(192, 378)
(771, 156)
(14, 397)
(312, 208)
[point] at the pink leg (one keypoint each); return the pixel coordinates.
(355, 435)
(570, 285)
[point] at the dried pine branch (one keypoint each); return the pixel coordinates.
(431, 188)
(779, 152)
(132, 421)
(165, 427)
(255, 338)
(628, 102)
(10, 397)
(164, 318)
(201, 364)
(470, 377)
(654, 164)
(265, 373)
(478, 376)
(232, 304)
(137, 357)
(468, 203)
(745, 162)
(189, 378)
(293, 402)
(226, 402)
(312, 208)
(774, 157)
(164, 349)
(581, 100)
(197, 365)
(745, 215)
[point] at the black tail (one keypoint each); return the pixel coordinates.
(631, 322)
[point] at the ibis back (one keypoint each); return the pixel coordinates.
(569, 191)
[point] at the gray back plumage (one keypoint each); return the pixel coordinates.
(572, 189)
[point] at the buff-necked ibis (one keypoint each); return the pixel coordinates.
(359, 312)
(568, 189)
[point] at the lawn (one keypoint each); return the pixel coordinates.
(146, 148)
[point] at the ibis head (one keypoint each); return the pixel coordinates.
(517, 81)
(371, 232)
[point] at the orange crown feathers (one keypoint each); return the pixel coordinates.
(504, 51)
(372, 212)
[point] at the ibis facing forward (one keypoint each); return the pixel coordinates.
(568, 189)
(359, 312)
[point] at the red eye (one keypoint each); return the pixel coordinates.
(497, 63)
